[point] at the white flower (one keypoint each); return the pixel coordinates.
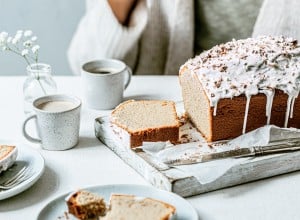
(14, 41)
(17, 38)
(35, 48)
(27, 43)
(27, 33)
(34, 38)
(9, 39)
(22, 43)
(24, 52)
(3, 36)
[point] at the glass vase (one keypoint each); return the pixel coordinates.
(39, 82)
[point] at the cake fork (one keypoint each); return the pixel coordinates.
(15, 180)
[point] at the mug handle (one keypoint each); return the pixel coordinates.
(26, 135)
(129, 73)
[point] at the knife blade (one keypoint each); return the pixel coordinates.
(277, 147)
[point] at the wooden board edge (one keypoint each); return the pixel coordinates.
(252, 170)
(154, 177)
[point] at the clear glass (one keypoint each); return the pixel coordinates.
(39, 82)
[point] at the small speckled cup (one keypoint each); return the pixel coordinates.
(104, 82)
(58, 128)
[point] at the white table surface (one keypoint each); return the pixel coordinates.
(91, 163)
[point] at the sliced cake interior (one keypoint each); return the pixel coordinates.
(146, 120)
(86, 205)
(136, 208)
(8, 155)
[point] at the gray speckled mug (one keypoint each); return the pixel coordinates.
(57, 121)
(104, 82)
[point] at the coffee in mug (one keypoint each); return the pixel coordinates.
(103, 70)
(57, 121)
(104, 82)
(56, 106)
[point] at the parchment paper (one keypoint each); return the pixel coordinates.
(210, 171)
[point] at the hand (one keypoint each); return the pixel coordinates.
(122, 9)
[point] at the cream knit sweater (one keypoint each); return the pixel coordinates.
(160, 36)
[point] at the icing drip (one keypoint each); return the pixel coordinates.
(292, 107)
(246, 113)
(288, 108)
(215, 108)
(250, 66)
(270, 97)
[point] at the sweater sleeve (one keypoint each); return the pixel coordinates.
(278, 17)
(100, 35)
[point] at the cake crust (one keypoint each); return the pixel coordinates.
(8, 156)
(5, 150)
(86, 205)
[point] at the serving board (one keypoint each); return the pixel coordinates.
(175, 180)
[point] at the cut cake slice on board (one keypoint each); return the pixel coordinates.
(134, 122)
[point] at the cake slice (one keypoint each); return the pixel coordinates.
(86, 205)
(8, 155)
(134, 122)
(136, 208)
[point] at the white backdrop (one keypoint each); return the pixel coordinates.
(53, 21)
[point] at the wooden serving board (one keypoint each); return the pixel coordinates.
(171, 179)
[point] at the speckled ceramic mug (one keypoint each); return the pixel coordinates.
(57, 120)
(104, 82)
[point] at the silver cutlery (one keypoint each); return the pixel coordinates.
(280, 147)
(19, 177)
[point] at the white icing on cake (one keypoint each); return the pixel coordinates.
(250, 66)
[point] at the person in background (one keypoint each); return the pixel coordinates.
(158, 36)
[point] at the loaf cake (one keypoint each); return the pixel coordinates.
(134, 122)
(136, 208)
(242, 85)
(86, 205)
(8, 155)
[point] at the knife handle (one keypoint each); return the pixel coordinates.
(277, 148)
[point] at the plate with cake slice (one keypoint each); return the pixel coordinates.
(118, 201)
(17, 158)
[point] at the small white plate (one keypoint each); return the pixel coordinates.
(26, 157)
(57, 208)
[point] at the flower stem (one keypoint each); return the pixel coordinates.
(37, 75)
(27, 61)
(38, 79)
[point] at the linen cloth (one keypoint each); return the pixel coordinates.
(160, 35)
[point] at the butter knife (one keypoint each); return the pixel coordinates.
(277, 147)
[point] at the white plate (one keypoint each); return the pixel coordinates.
(26, 157)
(56, 208)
